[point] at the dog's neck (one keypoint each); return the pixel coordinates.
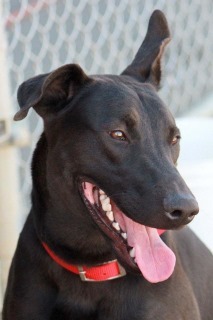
(46, 209)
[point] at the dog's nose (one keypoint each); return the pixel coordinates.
(180, 208)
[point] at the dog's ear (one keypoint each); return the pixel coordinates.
(146, 66)
(47, 93)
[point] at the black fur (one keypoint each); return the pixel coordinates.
(139, 174)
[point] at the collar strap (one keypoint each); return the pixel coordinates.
(106, 271)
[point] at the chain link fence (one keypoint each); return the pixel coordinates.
(103, 36)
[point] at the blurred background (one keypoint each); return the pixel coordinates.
(103, 36)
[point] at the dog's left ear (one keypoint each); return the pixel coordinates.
(48, 93)
(146, 66)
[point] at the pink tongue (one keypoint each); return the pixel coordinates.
(155, 260)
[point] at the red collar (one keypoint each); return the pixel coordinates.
(106, 271)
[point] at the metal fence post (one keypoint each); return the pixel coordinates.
(9, 184)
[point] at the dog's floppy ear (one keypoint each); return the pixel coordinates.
(47, 93)
(146, 64)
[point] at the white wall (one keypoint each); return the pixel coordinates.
(196, 166)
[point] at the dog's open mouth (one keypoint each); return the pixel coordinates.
(139, 248)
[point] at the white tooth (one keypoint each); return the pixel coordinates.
(105, 200)
(116, 226)
(106, 207)
(132, 252)
(101, 192)
(102, 197)
(110, 215)
(124, 235)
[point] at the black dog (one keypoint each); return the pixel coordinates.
(105, 187)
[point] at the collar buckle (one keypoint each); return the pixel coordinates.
(82, 274)
(83, 277)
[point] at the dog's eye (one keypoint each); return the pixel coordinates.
(118, 135)
(176, 139)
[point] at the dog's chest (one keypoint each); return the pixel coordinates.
(123, 300)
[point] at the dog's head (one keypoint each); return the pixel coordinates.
(111, 153)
